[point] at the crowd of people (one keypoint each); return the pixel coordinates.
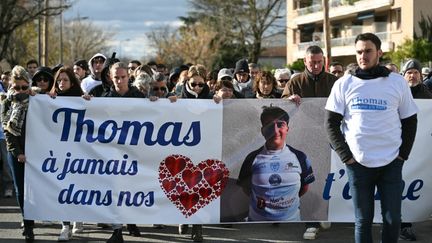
(109, 77)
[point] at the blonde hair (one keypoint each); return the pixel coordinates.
(197, 70)
(19, 73)
(119, 65)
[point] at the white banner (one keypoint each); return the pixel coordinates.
(125, 160)
(107, 160)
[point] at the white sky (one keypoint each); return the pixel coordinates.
(130, 20)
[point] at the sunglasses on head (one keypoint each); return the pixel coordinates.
(195, 84)
(164, 89)
(22, 87)
(283, 80)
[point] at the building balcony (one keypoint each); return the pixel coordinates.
(344, 46)
(339, 9)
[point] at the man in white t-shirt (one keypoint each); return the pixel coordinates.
(378, 117)
(275, 175)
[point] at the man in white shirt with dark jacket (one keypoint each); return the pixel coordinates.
(379, 122)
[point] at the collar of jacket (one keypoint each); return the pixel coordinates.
(314, 77)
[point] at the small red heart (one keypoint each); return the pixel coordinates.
(168, 185)
(205, 192)
(191, 178)
(175, 165)
(213, 176)
(179, 189)
(189, 200)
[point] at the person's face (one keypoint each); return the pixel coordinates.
(31, 68)
(159, 89)
(275, 132)
(367, 54)
(253, 72)
(265, 86)
(225, 92)
(5, 79)
(337, 70)
(283, 80)
(21, 86)
(196, 83)
(242, 77)
(63, 82)
(97, 64)
(314, 63)
(42, 82)
(413, 77)
(131, 68)
(120, 78)
(79, 72)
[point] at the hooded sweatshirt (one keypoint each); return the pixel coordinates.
(91, 81)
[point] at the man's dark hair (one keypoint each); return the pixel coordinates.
(336, 64)
(314, 50)
(369, 37)
(32, 61)
(136, 62)
(273, 112)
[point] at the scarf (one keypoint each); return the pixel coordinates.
(14, 117)
(372, 73)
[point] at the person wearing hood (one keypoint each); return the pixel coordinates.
(242, 80)
(42, 80)
(411, 71)
(96, 64)
(314, 81)
(104, 87)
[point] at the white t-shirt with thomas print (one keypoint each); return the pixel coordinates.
(372, 110)
(276, 183)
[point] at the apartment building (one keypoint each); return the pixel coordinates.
(391, 20)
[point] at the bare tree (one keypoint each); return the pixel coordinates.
(241, 21)
(16, 13)
(84, 40)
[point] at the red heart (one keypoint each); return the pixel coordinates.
(168, 185)
(191, 178)
(213, 176)
(205, 192)
(175, 165)
(191, 187)
(189, 200)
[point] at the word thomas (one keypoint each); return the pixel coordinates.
(107, 131)
(90, 166)
(410, 194)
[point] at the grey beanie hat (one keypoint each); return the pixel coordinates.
(411, 64)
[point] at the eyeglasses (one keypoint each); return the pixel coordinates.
(280, 124)
(22, 87)
(283, 80)
(132, 68)
(163, 89)
(226, 78)
(195, 84)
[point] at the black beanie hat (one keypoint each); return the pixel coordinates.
(241, 66)
(82, 63)
(411, 64)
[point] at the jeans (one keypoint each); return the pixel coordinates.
(17, 169)
(362, 182)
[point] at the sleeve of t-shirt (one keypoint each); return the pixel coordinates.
(336, 99)
(407, 106)
(307, 175)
